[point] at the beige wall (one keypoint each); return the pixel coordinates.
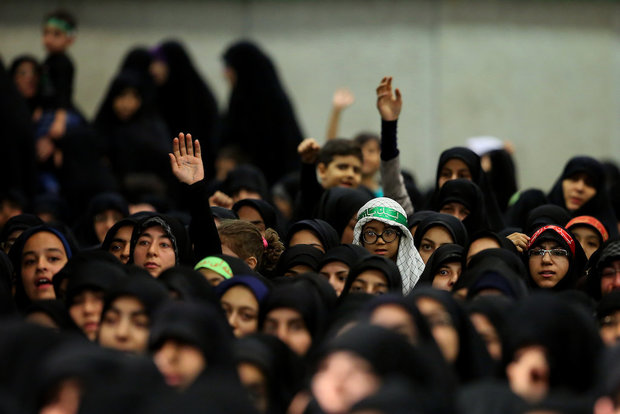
(543, 74)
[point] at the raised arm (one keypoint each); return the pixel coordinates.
(389, 105)
(343, 98)
(186, 164)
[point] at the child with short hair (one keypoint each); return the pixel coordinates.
(338, 164)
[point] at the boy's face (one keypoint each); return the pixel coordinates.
(343, 171)
(56, 40)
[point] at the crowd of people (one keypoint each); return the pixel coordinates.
(237, 267)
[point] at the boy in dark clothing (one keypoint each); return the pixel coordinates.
(338, 164)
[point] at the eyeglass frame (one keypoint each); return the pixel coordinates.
(398, 233)
(537, 252)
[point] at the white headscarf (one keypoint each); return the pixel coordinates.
(388, 211)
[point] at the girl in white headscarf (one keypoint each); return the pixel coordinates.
(382, 229)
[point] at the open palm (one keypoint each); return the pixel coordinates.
(186, 159)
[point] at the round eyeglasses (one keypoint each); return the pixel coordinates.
(388, 235)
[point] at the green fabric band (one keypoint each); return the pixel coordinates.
(215, 264)
(384, 213)
(60, 24)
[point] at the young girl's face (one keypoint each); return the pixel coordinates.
(290, 327)
(548, 270)
(379, 245)
(42, 257)
(370, 281)
(306, 237)
(154, 251)
(578, 189)
(103, 221)
(396, 318)
(588, 238)
(453, 169)
(86, 311)
(447, 275)
(432, 239)
(336, 274)
(121, 244)
(442, 327)
(125, 325)
(126, 104)
(372, 157)
(179, 363)
(241, 309)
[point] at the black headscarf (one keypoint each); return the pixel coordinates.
(258, 285)
(303, 296)
(302, 254)
(16, 258)
(97, 275)
(19, 222)
(143, 287)
(185, 100)
(349, 254)
(373, 262)
(56, 310)
(503, 242)
(569, 336)
(517, 213)
(223, 213)
(452, 224)
(190, 285)
(282, 368)
(338, 205)
(599, 206)
(418, 217)
(603, 257)
(267, 212)
(576, 256)
(543, 215)
(260, 118)
(111, 234)
(468, 194)
(85, 229)
(473, 361)
(197, 324)
(322, 229)
(502, 177)
(246, 177)
(173, 228)
(138, 60)
(478, 176)
(448, 253)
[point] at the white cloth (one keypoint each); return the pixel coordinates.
(388, 211)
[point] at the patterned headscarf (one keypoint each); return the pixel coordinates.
(388, 211)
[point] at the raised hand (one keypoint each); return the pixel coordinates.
(308, 150)
(389, 106)
(342, 99)
(219, 199)
(186, 160)
(520, 241)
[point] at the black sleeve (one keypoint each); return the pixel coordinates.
(61, 76)
(310, 191)
(202, 230)
(389, 146)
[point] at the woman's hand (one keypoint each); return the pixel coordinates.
(520, 241)
(186, 160)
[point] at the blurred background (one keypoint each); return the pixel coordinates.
(542, 74)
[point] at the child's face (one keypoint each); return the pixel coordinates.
(125, 326)
(154, 251)
(241, 309)
(126, 104)
(372, 157)
(56, 40)
(43, 256)
(380, 247)
(26, 79)
(179, 363)
(343, 171)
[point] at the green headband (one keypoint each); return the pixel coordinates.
(384, 213)
(60, 24)
(215, 264)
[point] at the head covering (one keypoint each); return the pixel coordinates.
(545, 214)
(373, 262)
(473, 360)
(388, 211)
(56, 310)
(282, 368)
(301, 254)
(16, 258)
(322, 229)
(349, 254)
(246, 177)
(338, 205)
(302, 295)
(576, 256)
(223, 213)
(141, 286)
(467, 193)
(598, 206)
(189, 285)
(258, 286)
(566, 333)
(197, 324)
(417, 217)
(172, 228)
(452, 224)
(524, 202)
(448, 253)
(503, 242)
(608, 252)
(19, 222)
(111, 234)
(215, 264)
(590, 222)
(96, 275)
(495, 308)
(267, 212)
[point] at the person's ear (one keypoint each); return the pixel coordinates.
(322, 169)
(252, 262)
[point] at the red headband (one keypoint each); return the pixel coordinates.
(559, 230)
(591, 221)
